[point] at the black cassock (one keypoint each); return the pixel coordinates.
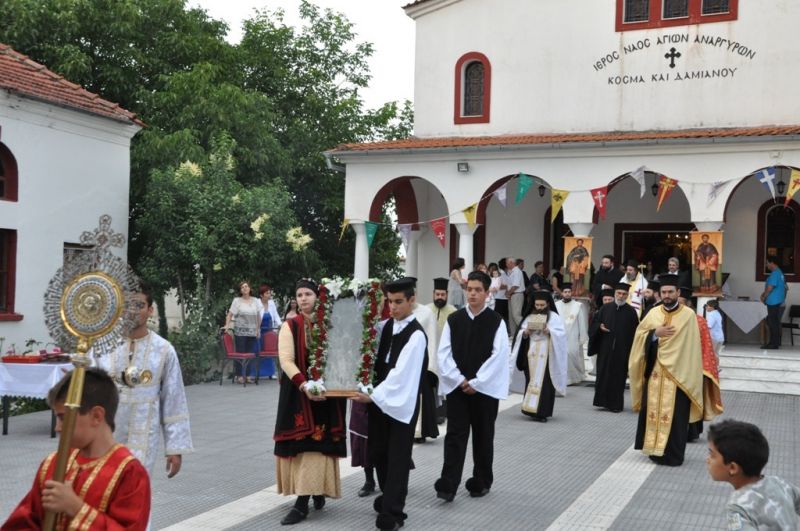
(613, 350)
(547, 396)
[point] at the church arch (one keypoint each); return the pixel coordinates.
(9, 183)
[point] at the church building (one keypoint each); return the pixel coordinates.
(64, 162)
(638, 121)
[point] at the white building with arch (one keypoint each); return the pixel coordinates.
(64, 162)
(579, 95)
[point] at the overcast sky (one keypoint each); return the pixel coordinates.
(381, 22)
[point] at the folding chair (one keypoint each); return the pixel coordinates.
(229, 354)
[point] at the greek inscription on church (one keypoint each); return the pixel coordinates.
(674, 45)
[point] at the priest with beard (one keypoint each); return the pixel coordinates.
(576, 322)
(666, 374)
(651, 298)
(612, 341)
(606, 277)
(540, 349)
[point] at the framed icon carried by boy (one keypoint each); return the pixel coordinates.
(577, 261)
(707, 259)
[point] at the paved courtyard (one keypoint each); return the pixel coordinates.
(578, 471)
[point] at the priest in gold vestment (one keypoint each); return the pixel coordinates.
(666, 377)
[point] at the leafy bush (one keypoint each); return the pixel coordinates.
(21, 406)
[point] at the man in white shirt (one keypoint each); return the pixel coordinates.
(400, 364)
(474, 374)
(516, 296)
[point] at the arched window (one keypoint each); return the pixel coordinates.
(778, 238)
(473, 83)
(8, 174)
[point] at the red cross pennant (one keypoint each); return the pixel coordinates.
(438, 226)
(599, 197)
(665, 187)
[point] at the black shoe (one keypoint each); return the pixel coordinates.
(446, 496)
(319, 502)
(770, 347)
(387, 522)
(479, 493)
(295, 516)
(615, 410)
(367, 490)
(419, 440)
(540, 419)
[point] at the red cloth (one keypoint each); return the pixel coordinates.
(710, 363)
(115, 489)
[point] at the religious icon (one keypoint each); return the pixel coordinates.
(577, 260)
(707, 256)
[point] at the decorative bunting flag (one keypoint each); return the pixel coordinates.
(524, 182)
(469, 213)
(557, 198)
(665, 187)
(345, 223)
(767, 178)
(502, 194)
(405, 232)
(372, 229)
(638, 175)
(713, 193)
(439, 226)
(794, 185)
(599, 197)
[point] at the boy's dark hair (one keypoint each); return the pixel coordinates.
(147, 291)
(482, 277)
(741, 443)
(538, 263)
(714, 303)
(98, 390)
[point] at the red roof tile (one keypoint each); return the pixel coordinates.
(522, 140)
(415, 3)
(21, 75)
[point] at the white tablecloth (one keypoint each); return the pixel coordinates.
(746, 314)
(30, 380)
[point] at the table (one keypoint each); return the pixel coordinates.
(746, 315)
(29, 380)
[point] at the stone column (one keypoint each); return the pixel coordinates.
(361, 266)
(466, 244)
(412, 254)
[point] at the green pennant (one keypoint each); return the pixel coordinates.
(524, 183)
(372, 229)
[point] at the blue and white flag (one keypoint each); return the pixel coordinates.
(767, 178)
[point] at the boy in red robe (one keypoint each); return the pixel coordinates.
(105, 487)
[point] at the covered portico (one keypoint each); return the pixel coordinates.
(427, 177)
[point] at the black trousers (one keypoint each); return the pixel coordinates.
(501, 307)
(774, 324)
(390, 446)
(478, 413)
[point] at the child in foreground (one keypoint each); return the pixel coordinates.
(105, 487)
(737, 453)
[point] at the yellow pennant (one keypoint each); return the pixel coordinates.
(345, 223)
(794, 185)
(470, 213)
(557, 198)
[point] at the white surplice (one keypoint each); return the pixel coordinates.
(397, 394)
(152, 411)
(545, 351)
(576, 323)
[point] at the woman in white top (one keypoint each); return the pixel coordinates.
(244, 316)
(456, 285)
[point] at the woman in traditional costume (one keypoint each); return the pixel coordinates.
(310, 432)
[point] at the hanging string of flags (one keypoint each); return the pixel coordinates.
(663, 188)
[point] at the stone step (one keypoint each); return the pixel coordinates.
(760, 363)
(759, 386)
(760, 374)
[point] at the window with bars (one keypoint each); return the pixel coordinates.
(8, 174)
(637, 10)
(714, 7)
(473, 85)
(676, 9)
(473, 89)
(647, 14)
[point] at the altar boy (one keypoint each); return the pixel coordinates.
(400, 365)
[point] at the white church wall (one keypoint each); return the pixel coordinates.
(554, 68)
(517, 230)
(434, 260)
(72, 169)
